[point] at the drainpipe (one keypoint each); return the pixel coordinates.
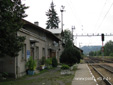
(16, 67)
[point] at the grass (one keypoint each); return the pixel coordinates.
(109, 57)
(45, 77)
(81, 61)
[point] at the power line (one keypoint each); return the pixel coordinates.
(105, 16)
(100, 13)
(73, 11)
(100, 16)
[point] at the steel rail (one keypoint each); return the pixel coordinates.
(106, 68)
(104, 79)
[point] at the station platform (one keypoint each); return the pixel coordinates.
(83, 76)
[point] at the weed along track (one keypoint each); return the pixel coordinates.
(102, 74)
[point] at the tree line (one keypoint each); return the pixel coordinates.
(108, 50)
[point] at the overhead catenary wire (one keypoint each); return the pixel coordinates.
(94, 30)
(99, 25)
(103, 13)
(69, 2)
(105, 16)
(100, 14)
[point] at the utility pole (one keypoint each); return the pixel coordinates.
(73, 28)
(62, 10)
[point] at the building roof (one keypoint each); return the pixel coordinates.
(78, 48)
(55, 31)
(48, 33)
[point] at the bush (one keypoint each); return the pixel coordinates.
(54, 62)
(31, 64)
(43, 60)
(70, 56)
(64, 66)
(74, 67)
(48, 61)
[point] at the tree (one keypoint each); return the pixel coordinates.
(67, 38)
(53, 19)
(99, 53)
(91, 53)
(108, 48)
(11, 14)
(71, 54)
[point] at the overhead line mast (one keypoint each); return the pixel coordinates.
(62, 10)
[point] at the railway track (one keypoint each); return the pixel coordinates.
(108, 68)
(98, 60)
(102, 74)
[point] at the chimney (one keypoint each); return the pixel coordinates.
(36, 23)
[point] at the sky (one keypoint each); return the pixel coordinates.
(88, 16)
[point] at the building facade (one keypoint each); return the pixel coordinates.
(38, 43)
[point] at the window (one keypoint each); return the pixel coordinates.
(24, 52)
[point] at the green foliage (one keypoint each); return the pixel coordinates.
(88, 49)
(95, 53)
(43, 60)
(67, 38)
(70, 56)
(53, 19)
(11, 14)
(64, 66)
(91, 53)
(74, 67)
(31, 64)
(54, 62)
(108, 48)
(111, 54)
(99, 53)
(49, 61)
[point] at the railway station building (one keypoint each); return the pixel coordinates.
(39, 42)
